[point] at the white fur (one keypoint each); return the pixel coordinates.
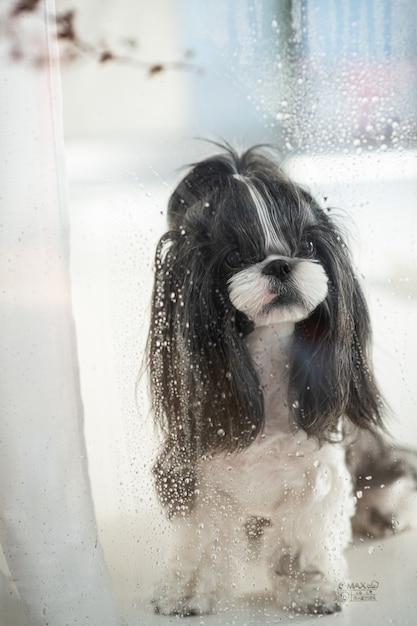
(303, 490)
(250, 291)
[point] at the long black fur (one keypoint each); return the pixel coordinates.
(205, 390)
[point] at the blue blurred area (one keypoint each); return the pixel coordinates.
(312, 75)
(235, 43)
(375, 30)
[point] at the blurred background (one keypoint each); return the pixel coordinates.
(333, 86)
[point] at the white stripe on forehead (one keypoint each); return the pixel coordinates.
(274, 237)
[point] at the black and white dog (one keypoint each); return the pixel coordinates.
(262, 385)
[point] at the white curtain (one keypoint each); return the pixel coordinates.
(53, 572)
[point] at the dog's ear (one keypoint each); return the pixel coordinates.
(331, 369)
(204, 389)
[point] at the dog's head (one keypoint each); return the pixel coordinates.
(247, 247)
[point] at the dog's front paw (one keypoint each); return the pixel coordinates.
(309, 594)
(320, 600)
(186, 606)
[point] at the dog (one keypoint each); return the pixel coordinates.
(261, 381)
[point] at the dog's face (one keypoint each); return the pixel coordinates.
(287, 282)
(260, 240)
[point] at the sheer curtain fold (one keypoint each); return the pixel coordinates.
(48, 531)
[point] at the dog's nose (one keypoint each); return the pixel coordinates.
(280, 268)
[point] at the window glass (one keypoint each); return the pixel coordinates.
(332, 85)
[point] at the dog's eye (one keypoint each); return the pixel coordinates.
(234, 259)
(307, 247)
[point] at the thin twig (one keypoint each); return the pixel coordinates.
(67, 33)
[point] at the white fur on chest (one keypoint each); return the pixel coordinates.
(269, 349)
(282, 459)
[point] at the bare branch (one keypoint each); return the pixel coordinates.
(74, 47)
